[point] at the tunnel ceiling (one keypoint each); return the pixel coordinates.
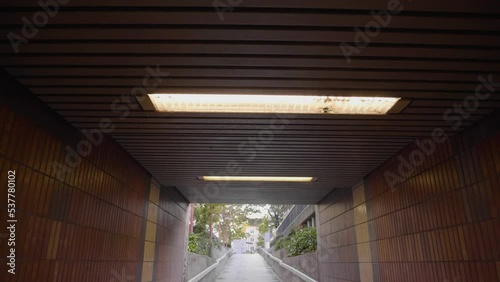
(91, 52)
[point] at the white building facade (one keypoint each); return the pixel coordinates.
(252, 233)
(247, 244)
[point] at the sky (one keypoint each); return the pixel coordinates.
(262, 212)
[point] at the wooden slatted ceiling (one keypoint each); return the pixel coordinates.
(94, 51)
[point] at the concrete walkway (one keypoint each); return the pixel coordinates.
(251, 267)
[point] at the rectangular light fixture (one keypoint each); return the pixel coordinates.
(228, 103)
(258, 178)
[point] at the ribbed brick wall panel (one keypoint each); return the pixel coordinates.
(85, 225)
(439, 223)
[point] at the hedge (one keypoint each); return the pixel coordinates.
(302, 242)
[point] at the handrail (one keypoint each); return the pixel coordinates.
(291, 269)
(209, 269)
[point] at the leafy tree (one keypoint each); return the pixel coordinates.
(277, 213)
(264, 225)
(232, 223)
(205, 216)
(229, 220)
(263, 229)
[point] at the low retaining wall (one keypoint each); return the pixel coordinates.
(307, 264)
(197, 263)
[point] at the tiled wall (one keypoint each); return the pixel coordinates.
(440, 223)
(90, 224)
(172, 230)
(170, 211)
(338, 258)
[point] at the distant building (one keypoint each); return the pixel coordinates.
(239, 246)
(252, 239)
(267, 240)
(248, 244)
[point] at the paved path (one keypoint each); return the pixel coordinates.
(250, 267)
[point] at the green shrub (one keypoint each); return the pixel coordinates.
(281, 243)
(200, 229)
(199, 244)
(301, 242)
(260, 242)
(275, 239)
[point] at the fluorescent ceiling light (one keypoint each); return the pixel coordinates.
(258, 178)
(221, 103)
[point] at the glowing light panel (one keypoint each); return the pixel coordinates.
(258, 178)
(228, 103)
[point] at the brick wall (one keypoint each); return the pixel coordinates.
(439, 222)
(91, 223)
